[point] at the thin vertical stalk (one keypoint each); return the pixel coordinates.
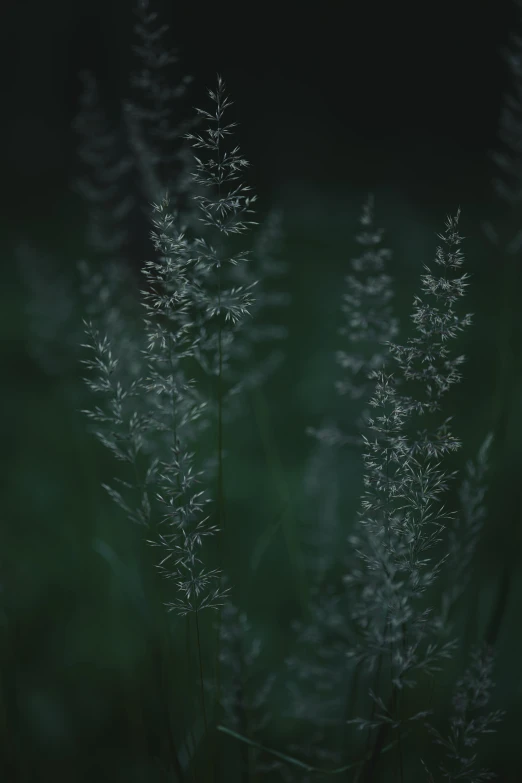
(190, 756)
(287, 519)
(201, 682)
(202, 688)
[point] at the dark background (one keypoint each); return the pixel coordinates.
(355, 95)
(334, 101)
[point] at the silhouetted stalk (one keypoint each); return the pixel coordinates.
(501, 602)
(190, 756)
(202, 686)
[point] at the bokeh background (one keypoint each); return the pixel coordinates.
(334, 101)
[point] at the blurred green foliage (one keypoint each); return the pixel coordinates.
(92, 668)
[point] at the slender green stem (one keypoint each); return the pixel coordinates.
(288, 521)
(386, 508)
(378, 748)
(189, 680)
(350, 704)
(503, 401)
(242, 716)
(296, 762)
(201, 682)
(221, 498)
